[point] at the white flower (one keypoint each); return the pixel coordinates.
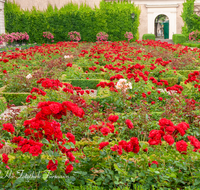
(29, 76)
(66, 56)
(122, 84)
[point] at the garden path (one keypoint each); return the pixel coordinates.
(165, 40)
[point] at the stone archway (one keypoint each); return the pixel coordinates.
(161, 27)
(169, 10)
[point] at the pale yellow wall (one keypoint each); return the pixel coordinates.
(143, 27)
(42, 4)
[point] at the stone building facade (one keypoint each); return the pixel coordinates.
(150, 9)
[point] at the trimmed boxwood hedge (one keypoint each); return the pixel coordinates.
(2, 105)
(179, 38)
(84, 83)
(15, 98)
(148, 37)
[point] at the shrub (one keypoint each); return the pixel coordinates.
(179, 38)
(48, 36)
(128, 36)
(84, 83)
(2, 105)
(74, 36)
(15, 98)
(102, 36)
(148, 37)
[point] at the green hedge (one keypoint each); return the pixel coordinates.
(15, 98)
(2, 105)
(88, 75)
(84, 83)
(148, 37)
(185, 72)
(112, 17)
(171, 81)
(178, 38)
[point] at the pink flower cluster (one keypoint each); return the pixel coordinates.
(15, 36)
(74, 36)
(102, 36)
(194, 36)
(48, 35)
(128, 35)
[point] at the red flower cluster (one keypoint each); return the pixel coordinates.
(192, 77)
(5, 158)
(103, 144)
(176, 88)
(30, 97)
(8, 127)
(52, 166)
(194, 142)
(181, 146)
(131, 146)
(113, 118)
(129, 124)
(50, 83)
(168, 131)
(38, 91)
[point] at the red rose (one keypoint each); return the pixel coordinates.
(113, 118)
(153, 162)
(169, 139)
(4, 71)
(35, 150)
(8, 127)
(52, 166)
(103, 144)
(152, 102)
(144, 95)
(129, 124)
(105, 131)
(160, 98)
(68, 169)
(145, 149)
(5, 60)
(181, 146)
(5, 158)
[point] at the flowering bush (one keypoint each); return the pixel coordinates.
(102, 36)
(128, 36)
(48, 36)
(142, 127)
(194, 36)
(74, 36)
(15, 37)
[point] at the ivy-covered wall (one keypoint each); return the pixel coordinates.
(111, 17)
(191, 20)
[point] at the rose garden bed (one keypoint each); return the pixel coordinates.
(141, 131)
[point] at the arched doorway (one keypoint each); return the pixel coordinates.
(161, 27)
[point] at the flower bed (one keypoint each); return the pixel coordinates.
(142, 128)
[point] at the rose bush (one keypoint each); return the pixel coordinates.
(142, 128)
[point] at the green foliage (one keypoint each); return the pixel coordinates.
(191, 20)
(185, 73)
(179, 38)
(84, 83)
(85, 20)
(15, 98)
(148, 37)
(171, 81)
(2, 105)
